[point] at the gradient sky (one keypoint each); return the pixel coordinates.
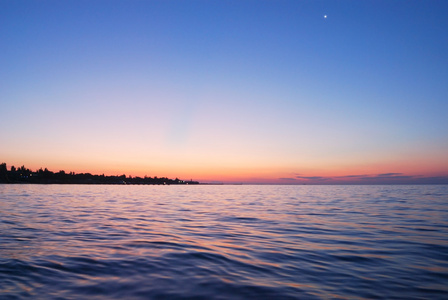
(227, 91)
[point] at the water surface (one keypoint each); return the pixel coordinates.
(223, 242)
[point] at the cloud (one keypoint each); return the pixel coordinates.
(389, 174)
(432, 180)
(377, 176)
(314, 177)
(381, 178)
(351, 176)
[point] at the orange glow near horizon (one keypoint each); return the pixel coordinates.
(341, 173)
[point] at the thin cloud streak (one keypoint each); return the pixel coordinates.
(383, 178)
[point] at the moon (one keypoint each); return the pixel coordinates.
(325, 16)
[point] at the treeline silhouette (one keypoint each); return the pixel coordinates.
(44, 176)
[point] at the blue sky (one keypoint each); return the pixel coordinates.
(249, 91)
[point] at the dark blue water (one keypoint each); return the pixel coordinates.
(223, 242)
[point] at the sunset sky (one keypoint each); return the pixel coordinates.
(227, 91)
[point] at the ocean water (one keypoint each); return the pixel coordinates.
(223, 242)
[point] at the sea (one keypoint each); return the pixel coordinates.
(223, 242)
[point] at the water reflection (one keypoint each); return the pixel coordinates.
(223, 241)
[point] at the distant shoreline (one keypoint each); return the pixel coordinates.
(24, 175)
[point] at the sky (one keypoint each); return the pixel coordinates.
(227, 91)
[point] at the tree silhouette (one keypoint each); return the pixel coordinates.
(3, 173)
(45, 176)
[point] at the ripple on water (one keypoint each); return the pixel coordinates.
(223, 242)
